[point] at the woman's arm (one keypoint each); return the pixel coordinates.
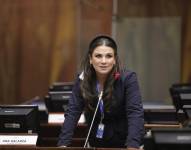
(134, 111)
(72, 115)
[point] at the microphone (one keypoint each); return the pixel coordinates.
(100, 97)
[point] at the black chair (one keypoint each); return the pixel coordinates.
(58, 96)
(168, 139)
(181, 97)
(163, 116)
(61, 86)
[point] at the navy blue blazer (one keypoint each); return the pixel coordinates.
(124, 121)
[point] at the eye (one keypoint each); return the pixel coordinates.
(109, 56)
(98, 56)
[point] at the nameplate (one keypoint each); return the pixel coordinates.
(59, 118)
(18, 139)
(56, 117)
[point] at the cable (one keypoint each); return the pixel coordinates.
(100, 97)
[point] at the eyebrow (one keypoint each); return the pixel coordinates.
(105, 53)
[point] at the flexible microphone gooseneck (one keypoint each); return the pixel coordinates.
(100, 97)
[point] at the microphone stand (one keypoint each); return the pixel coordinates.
(100, 97)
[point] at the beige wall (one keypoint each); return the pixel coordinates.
(42, 42)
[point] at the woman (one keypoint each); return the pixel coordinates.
(119, 121)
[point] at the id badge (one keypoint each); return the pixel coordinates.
(100, 131)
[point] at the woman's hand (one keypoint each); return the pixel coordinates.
(134, 148)
(62, 146)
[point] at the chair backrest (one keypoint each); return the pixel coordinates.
(181, 95)
(58, 96)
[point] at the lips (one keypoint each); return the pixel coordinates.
(103, 67)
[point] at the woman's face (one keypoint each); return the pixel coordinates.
(103, 60)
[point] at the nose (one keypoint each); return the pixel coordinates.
(103, 60)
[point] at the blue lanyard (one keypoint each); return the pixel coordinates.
(101, 105)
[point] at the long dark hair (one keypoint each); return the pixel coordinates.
(88, 84)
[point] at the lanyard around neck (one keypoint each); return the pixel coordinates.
(101, 104)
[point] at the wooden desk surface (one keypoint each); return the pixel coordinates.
(49, 133)
(148, 126)
(54, 148)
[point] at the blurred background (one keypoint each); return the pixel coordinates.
(43, 42)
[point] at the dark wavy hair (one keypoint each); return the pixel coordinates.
(88, 84)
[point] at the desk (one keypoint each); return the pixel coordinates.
(55, 148)
(49, 133)
(45, 130)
